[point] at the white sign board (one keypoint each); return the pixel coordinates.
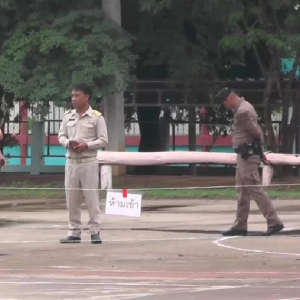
(117, 205)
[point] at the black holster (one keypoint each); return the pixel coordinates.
(246, 150)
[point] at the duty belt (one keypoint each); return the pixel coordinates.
(77, 161)
(242, 148)
(246, 150)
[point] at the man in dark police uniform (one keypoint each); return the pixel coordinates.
(247, 139)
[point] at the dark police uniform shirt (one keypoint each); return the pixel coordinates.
(245, 125)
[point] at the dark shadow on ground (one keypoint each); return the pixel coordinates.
(159, 207)
(250, 233)
(58, 205)
(13, 223)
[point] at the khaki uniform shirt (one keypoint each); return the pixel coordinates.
(89, 128)
(245, 126)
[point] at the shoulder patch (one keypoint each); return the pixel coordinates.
(97, 113)
(243, 116)
(243, 113)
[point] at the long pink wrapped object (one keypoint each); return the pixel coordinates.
(176, 157)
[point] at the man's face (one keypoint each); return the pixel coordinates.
(227, 103)
(79, 99)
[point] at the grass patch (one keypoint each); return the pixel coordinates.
(212, 194)
(27, 190)
(55, 190)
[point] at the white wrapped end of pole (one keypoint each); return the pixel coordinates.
(105, 177)
(267, 175)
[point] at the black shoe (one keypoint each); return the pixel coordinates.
(274, 230)
(70, 240)
(95, 239)
(235, 232)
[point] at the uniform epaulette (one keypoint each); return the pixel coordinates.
(68, 111)
(97, 113)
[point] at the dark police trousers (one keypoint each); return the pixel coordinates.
(247, 173)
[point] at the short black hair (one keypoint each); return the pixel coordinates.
(83, 87)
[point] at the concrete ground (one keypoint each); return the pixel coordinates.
(174, 251)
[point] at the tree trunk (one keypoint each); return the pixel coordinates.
(192, 138)
(7, 102)
(289, 136)
(292, 128)
(2, 142)
(164, 131)
(148, 118)
(290, 132)
(286, 101)
(268, 113)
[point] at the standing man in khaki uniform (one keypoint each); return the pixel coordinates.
(82, 132)
(247, 139)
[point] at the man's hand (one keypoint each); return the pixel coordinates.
(2, 160)
(264, 159)
(80, 147)
(72, 144)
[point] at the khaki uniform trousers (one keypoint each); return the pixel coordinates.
(249, 184)
(82, 175)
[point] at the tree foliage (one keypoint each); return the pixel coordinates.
(251, 36)
(271, 29)
(48, 45)
(155, 6)
(182, 37)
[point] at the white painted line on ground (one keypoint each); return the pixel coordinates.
(114, 241)
(290, 299)
(92, 283)
(171, 285)
(215, 288)
(122, 296)
(157, 272)
(62, 267)
(218, 243)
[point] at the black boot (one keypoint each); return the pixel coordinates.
(70, 240)
(235, 232)
(274, 230)
(95, 238)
